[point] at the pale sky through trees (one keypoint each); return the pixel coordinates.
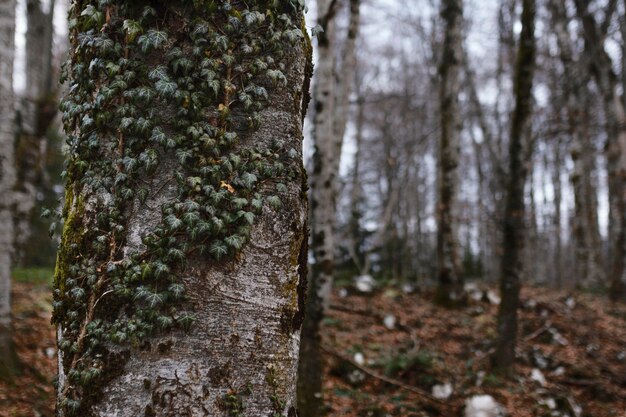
(388, 24)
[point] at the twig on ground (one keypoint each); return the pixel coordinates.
(423, 394)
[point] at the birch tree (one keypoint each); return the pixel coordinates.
(449, 273)
(180, 279)
(7, 179)
(36, 111)
(332, 87)
(586, 234)
(601, 67)
(514, 215)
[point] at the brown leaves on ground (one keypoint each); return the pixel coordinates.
(31, 393)
(576, 341)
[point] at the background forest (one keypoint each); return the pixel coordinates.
(466, 162)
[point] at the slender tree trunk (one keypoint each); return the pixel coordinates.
(558, 197)
(181, 275)
(449, 271)
(330, 97)
(601, 66)
(37, 110)
(7, 182)
(513, 232)
(586, 235)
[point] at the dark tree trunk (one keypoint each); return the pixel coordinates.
(332, 89)
(449, 271)
(514, 215)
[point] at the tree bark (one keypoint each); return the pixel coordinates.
(586, 234)
(37, 111)
(449, 271)
(330, 97)
(513, 230)
(181, 275)
(601, 67)
(7, 181)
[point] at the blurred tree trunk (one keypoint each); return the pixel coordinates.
(356, 189)
(513, 231)
(181, 274)
(37, 110)
(449, 272)
(7, 181)
(332, 88)
(586, 233)
(557, 163)
(601, 67)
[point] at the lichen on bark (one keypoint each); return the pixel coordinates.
(184, 158)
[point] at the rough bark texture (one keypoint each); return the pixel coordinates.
(209, 203)
(449, 272)
(601, 67)
(36, 111)
(330, 97)
(513, 232)
(7, 177)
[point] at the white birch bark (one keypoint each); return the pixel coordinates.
(7, 167)
(585, 222)
(449, 273)
(615, 113)
(244, 342)
(330, 97)
(37, 109)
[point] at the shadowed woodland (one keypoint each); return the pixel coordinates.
(313, 208)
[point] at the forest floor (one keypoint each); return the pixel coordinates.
(571, 357)
(386, 351)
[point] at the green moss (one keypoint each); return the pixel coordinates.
(143, 79)
(71, 238)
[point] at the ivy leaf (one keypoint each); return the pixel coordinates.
(277, 77)
(281, 188)
(239, 202)
(234, 241)
(273, 201)
(184, 156)
(173, 222)
(158, 135)
(165, 322)
(218, 250)
(248, 216)
(132, 29)
(185, 320)
(93, 17)
(248, 179)
(160, 269)
(317, 30)
(166, 88)
(176, 254)
(200, 29)
(153, 299)
(159, 73)
(153, 39)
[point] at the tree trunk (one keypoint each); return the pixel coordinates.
(601, 66)
(37, 110)
(7, 182)
(449, 272)
(557, 163)
(330, 97)
(513, 231)
(586, 234)
(181, 275)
